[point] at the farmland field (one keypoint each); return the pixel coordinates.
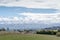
(17, 36)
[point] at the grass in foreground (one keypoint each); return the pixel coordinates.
(14, 36)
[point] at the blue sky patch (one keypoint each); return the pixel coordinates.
(12, 11)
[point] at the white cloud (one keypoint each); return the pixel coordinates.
(32, 3)
(7, 1)
(32, 18)
(47, 18)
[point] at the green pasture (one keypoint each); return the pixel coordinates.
(17, 36)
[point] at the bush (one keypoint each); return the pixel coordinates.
(43, 32)
(3, 29)
(58, 34)
(58, 30)
(50, 32)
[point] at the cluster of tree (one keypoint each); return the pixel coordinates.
(18, 30)
(2, 29)
(50, 32)
(27, 31)
(58, 33)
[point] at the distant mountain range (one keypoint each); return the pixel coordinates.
(52, 28)
(31, 26)
(23, 26)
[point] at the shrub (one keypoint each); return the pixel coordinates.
(58, 34)
(3, 29)
(58, 30)
(43, 32)
(50, 32)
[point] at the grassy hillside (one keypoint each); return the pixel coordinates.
(18, 36)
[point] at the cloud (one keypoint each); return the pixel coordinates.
(7, 1)
(9, 20)
(31, 3)
(46, 18)
(32, 18)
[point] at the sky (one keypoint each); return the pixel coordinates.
(29, 11)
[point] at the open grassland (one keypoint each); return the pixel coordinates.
(18, 36)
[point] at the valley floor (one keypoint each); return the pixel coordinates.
(18, 36)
